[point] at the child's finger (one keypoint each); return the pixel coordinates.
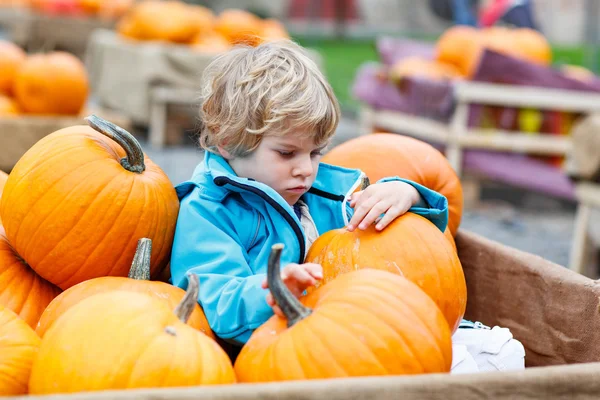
(391, 214)
(315, 270)
(354, 198)
(374, 213)
(300, 276)
(264, 284)
(361, 210)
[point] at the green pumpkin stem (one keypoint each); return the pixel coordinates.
(140, 267)
(291, 307)
(186, 307)
(134, 162)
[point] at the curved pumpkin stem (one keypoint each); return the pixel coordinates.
(365, 183)
(140, 267)
(134, 162)
(186, 307)
(291, 307)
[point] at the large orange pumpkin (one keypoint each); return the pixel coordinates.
(53, 83)
(138, 281)
(21, 289)
(239, 26)
(410, 246)
(364, 323)
(8, 107)
(11, 59)
(125, 340)
(387, 154)
(76, 203)
(18, 348)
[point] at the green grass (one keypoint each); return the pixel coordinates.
(342, 58)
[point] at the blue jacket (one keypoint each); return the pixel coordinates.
(227, 225)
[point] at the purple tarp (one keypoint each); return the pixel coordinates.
(435, 100)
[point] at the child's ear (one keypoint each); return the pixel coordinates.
(224, 153)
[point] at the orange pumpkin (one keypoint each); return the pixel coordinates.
(11, 59)
(169, 21)
(211, 43)
(21, 289)
(533, 46)
(461, 46)
(138, 281)
(273, 29)
(204, 18)
(126, 340)
(80, 198)
(18, 348)
(8, 107)
(364, 323)
(411, 246)
(239, 26)
(416, 66)
(53, 83)
(388, 154)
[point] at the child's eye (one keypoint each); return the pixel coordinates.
(285, 153)
(316, 153)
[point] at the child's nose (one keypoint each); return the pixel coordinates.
(304, 167)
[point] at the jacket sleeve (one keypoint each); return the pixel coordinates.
(433, 206)
(207, 245)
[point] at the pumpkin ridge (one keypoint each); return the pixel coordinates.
(11, 281)
(107, 233)
(418, 317)
(165, 212)
(350, 333)
(18, 179)
(40, 224)
(317, 359)
(132, 368)
(369, 292)
(67, 233)
(406, 311)
(133, 232)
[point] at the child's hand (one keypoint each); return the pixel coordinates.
(297, 277)
(393, 198)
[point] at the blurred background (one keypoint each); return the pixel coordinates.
(506, 89)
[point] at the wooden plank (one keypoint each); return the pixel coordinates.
(516, 142)
(423, 128)
(521, 96)
(588, 193)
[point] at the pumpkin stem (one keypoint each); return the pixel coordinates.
(291, 307)
(186, 307)
(134, 161)
(365, 183)
(140, 267)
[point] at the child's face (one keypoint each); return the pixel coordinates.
(287, 164)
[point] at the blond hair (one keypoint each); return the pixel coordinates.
(271, 89)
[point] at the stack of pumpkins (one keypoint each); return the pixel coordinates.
(174, 21)
(459, 49)
(54, 83)
(84, 201)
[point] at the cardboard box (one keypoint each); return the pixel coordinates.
(18, 134)
(550, 309)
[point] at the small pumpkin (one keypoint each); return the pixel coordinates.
(21, 289)
(461, 46)
(18, 348)
(273, 29)
(388, 154)
(11, 59)
(53, 83)
(210, 43)
(8, 107)
(364, 323)
(126, 340)
(411, 246)
(138, 281)
(533, 46)
(81, 197)
(420, 67)
(239, 26)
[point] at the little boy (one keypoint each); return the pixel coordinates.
(267, 115)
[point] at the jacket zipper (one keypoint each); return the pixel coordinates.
(222, 180)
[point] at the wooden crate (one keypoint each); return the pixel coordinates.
(18, 134)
